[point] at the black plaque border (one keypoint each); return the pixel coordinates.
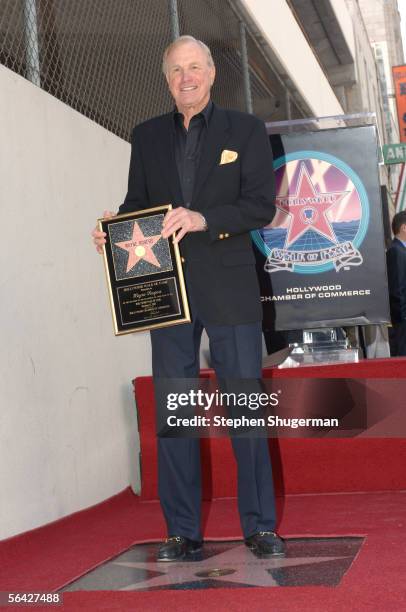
(113, 284)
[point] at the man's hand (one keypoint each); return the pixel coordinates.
(182, 220)
(99, 238)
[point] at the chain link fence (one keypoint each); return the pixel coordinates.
(104, 58)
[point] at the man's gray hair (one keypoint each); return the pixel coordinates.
(180, 41)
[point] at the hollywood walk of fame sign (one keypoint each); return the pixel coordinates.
(321, 261)
(144, 272)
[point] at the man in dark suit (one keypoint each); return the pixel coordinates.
(215, 166)
(396, 263)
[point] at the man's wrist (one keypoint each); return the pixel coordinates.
(204, 222)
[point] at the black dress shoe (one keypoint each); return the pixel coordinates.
(265, 544)
(176, 548)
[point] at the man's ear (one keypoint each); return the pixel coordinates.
(213, 75)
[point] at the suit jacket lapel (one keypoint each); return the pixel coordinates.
(165, 152)
(216, 138)
(400, 243)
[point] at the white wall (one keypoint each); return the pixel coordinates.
(282, 33)
(68, 436)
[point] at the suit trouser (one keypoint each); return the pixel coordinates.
(236, 352)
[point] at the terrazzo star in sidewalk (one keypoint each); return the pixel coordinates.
(234, 566)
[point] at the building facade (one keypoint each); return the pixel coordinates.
(382, 22)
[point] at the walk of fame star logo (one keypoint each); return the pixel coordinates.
(139, 247)
(322, 214)
(308, 209)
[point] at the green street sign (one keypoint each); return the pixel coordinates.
(394, 153)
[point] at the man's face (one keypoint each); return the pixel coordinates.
(189, 77)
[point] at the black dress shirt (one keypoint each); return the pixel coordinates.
(188, 148)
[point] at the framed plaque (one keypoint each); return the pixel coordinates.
(144, 272)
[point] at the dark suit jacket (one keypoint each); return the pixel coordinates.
(396, 263)
(234, 197)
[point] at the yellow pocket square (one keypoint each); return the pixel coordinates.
(227, 157)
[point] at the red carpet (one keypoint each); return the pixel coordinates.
(50, 557)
